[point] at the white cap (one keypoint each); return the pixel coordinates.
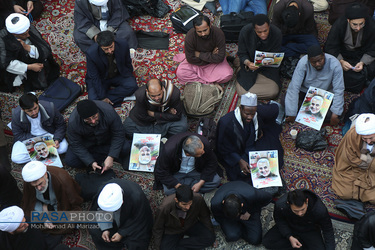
(33, 171)
(110, 198)
(365, 124)
(17, 23)
(14, 216)
(99, 2)
(249, 99)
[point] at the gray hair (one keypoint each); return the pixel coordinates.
(263, 160)
(191, 144)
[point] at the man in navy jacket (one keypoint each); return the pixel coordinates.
(109, 70)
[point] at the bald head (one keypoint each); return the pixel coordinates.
(155, 90)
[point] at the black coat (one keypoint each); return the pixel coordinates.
(316, 217)
(136, 220)
(169, 161)
(248, 43)
(11, 49)
(109, 131)
(253, 199)
(335, 40)
(363, 236)
(232, 146)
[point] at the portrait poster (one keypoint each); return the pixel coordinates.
(264, 168)
(144, 152)
(268, 59)
(42, 148)
(314, 107)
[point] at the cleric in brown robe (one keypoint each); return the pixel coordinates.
(62, 195)
(353, 172)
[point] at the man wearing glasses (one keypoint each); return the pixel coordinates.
(352, 41)
(96, 137)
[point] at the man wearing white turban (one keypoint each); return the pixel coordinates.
(248, 128)
(25, 58)
(132, 216)
(49, 189)
(93, 16)
(353, 173)
(16, 234)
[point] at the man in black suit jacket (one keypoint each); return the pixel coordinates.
(109, 70)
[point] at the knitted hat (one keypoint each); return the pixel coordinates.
(87, 108)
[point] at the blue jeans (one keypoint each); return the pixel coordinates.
(256, 6)
(296, 45)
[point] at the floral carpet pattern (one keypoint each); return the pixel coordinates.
(302, 169)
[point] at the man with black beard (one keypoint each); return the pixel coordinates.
(205, 60)
(96, 136)
(109, 74)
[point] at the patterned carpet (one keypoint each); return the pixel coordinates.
(302, 169)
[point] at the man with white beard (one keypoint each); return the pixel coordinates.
(38, 195)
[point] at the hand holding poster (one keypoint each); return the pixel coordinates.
(314, 107)
(144, 152)
(43, 148)
(265, 169)
(268, 59)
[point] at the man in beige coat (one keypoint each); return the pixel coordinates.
(354, 169)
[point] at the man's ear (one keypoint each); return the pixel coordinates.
(176, 200)
(241, 204)
(307, 200)
(223, 202)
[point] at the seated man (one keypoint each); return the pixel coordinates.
(158, 110)
(36, 118)
(236, 206)
(50, 189)
(352, 40)
(247, 128)
(25, 58)
(296, 21)
(186, 158)
(320, 70)
(261, 36)
(205, 60)
(183, 214)
(301, 218)
(351, 178)
(109, 74)
(15, 231)
(96, 137)
(93, 16)
(133, 221)
(364, 231)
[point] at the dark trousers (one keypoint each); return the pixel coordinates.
(310, 240)
(115, 89)
(99, 153)
(249, 230)
(199, 237)
(296, 45)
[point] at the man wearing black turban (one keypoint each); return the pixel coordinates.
(352, 41)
